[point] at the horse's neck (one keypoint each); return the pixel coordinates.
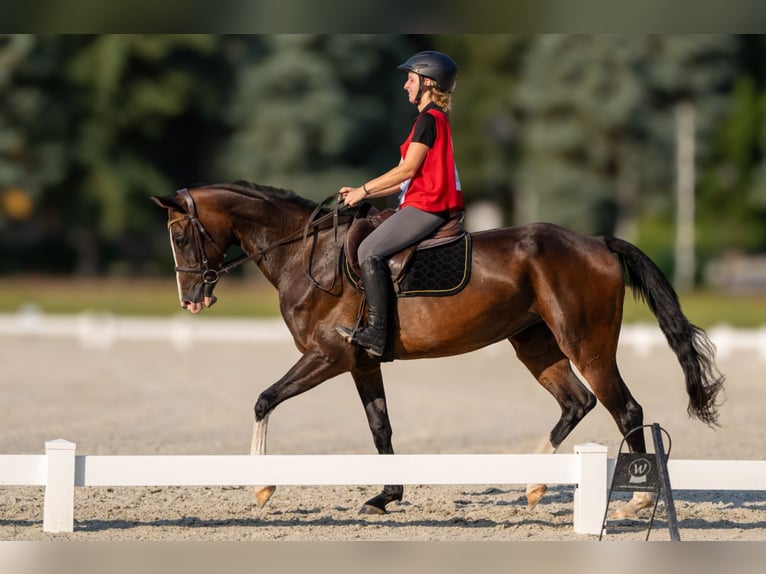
(261, 234)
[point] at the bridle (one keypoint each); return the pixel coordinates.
(210, 275)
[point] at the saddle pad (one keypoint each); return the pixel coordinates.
(438, 271)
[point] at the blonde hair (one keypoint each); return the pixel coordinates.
(441, 98)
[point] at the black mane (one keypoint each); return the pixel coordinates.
(259, 191)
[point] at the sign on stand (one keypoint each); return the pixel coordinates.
(645, 472)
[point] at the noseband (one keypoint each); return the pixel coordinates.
(211, 276)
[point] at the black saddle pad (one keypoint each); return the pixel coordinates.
(438, 271)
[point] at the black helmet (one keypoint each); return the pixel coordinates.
(435, 65)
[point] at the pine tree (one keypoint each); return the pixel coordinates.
(599, 122)
(313, 112)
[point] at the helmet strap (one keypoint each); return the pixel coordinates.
(421, 88)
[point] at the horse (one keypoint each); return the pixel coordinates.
(556, 295)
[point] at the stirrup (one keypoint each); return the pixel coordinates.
(374, 349)
(348, 333)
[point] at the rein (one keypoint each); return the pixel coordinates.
(336, 249)
(211, 276)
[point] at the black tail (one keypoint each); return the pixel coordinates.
(690, 343)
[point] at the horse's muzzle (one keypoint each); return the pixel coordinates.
(197, 306)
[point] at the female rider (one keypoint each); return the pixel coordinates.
(426, 179)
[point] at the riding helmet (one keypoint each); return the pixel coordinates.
(435, 65)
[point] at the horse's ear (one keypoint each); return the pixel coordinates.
(166, 202)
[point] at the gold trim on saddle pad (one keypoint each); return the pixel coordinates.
(424, 275)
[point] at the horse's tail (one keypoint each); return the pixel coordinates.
(690, 343)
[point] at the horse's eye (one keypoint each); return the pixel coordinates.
(180, 240)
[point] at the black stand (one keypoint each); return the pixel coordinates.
(640, 472)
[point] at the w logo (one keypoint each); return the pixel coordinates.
(639, 470)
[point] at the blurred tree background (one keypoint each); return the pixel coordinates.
(581, 130)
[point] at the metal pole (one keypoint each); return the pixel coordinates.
(662, 470)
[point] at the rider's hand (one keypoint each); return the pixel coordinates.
(352, 195)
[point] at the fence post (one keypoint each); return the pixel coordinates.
(591, 489)
(58, 509)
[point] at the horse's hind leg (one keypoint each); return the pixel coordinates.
(369, 384)
(598, 366)
(537, 348)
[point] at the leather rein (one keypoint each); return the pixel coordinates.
(210, 276)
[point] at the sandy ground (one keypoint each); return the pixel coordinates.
(148, 398)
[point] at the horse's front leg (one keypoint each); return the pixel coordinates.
(369, 384)
(257, 447)
(313, 368)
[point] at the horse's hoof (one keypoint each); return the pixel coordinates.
(264, 494)
(534, 494)
(625, 512)
(630, 509)
(370, 509)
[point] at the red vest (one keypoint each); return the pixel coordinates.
(436, 185)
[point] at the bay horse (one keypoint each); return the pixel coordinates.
(556, 295)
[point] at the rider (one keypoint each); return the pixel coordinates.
(426, 179)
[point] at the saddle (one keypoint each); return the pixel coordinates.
(448, 233)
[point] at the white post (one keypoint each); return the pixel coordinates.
(591, 490)
(58, 510)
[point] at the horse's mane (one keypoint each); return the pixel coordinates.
(258, 191)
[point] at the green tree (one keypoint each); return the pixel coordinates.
(584, 102)
(696, 73)
(106, 121)
(313, 112)
(732, 192)
(131, 95)
(33, 144)
(599, 123)
(28, 159)
(484, 122)
(575, 129)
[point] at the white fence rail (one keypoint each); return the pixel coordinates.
(60, 470)
(101, 330)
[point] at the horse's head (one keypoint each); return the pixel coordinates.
(198, 249)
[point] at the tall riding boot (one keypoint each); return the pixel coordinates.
(376, 279)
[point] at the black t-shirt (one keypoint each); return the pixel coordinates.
(425, 127)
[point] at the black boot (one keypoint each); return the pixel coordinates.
(376, 279)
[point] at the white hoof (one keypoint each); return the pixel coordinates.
(534, 493)
(630, 509)
(263, 495)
